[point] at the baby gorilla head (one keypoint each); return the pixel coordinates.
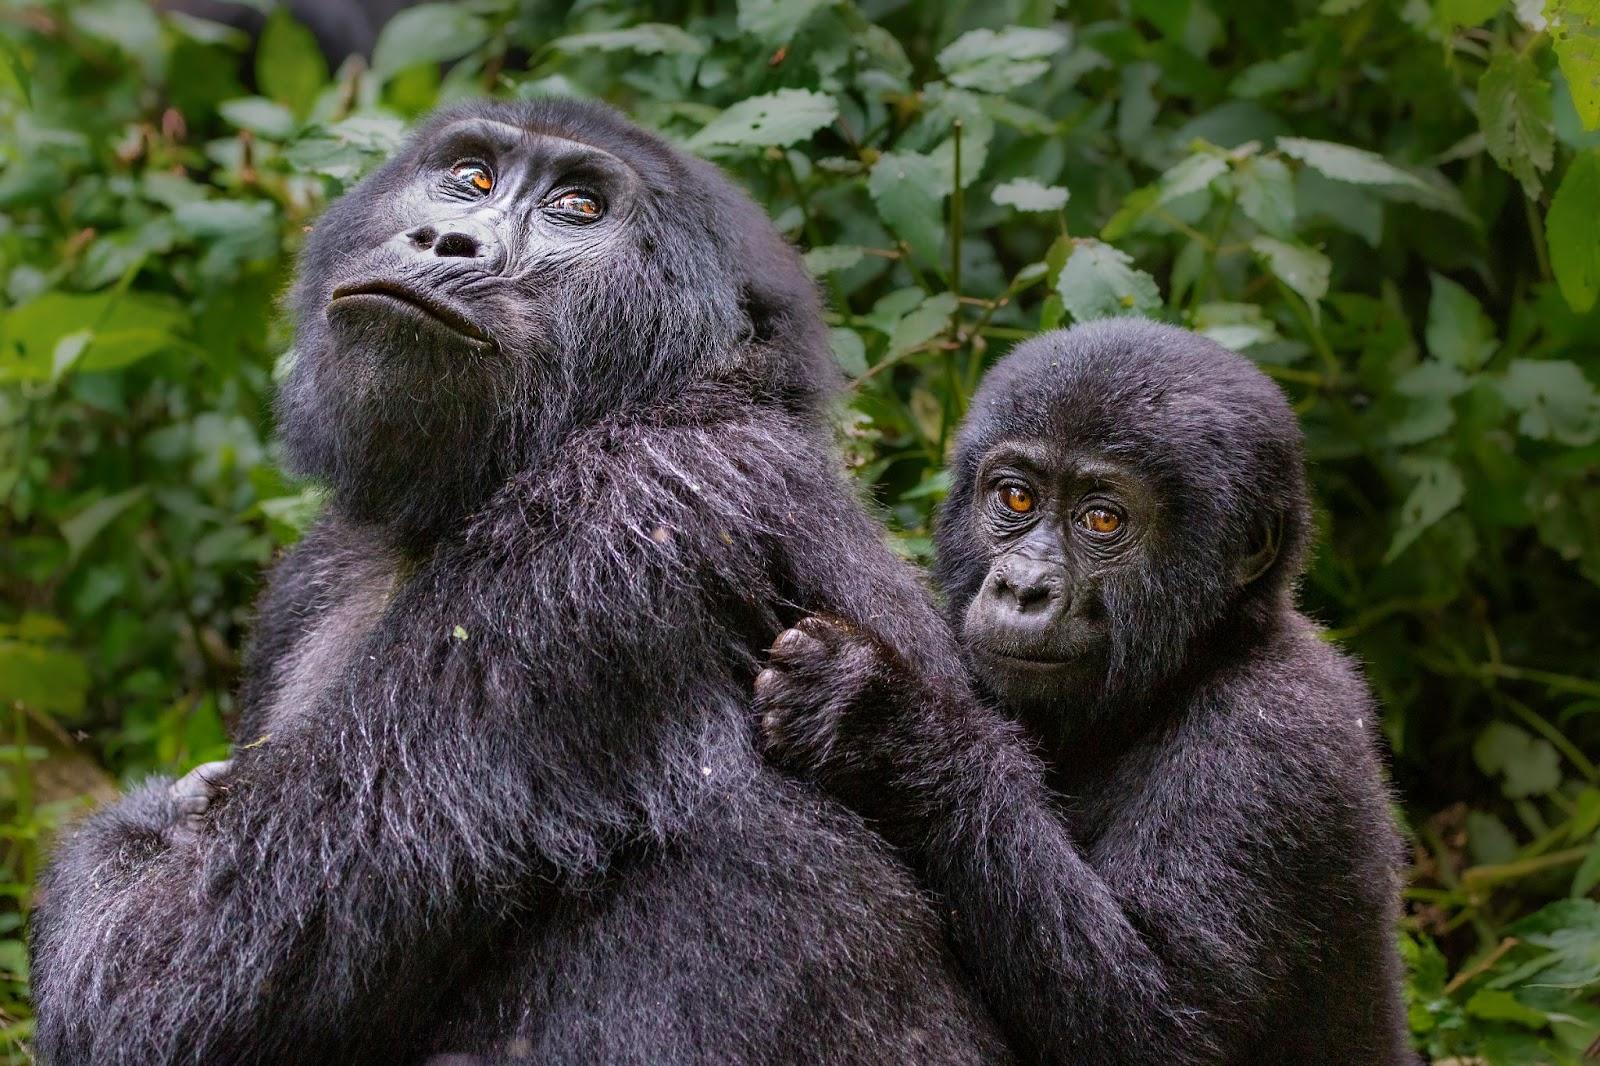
(1123, 493)
(515, 272)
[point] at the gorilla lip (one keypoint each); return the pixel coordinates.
(417, 301)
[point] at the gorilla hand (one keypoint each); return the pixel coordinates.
(193, 794)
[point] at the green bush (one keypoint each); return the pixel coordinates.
(1394, 208)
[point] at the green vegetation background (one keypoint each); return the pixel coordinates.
(1393, 207)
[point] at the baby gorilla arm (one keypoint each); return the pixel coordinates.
(1140, 951)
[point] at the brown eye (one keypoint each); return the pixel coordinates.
(475, 174)
(577, 203)
(1016, 498)
(1100, 520)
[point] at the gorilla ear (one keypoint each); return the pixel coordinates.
(1265, 538)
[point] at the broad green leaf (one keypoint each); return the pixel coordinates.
(1572, 231)
(1266, 194)
(1488, 840)
(648, 38)
(260, 116)
(1556, 401)
(1100, 281)
(1528, 765)
(1303, 269)
(832, 257)
(1575, 25)
(1458, 330)
(848, 350)
(1498, 1005)
(923, 324)
(1515, 112)
(776, 22)
(427, 33)
(1234, 325)
(347, 149)
(290, 67)
(46, 680)
(125, 328)
(909, 190)
(1025, 194)
(999, 61)
(1438, 491)
(779, 118)
(79, 530)
(1292, 70)
(1191, 175)
(1341, 162)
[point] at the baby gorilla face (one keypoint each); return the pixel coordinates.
(1058, 528)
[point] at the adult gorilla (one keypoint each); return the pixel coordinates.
(564, 385)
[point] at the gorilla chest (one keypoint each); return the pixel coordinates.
(348, 602)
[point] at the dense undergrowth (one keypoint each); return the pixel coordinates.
(1393, 207)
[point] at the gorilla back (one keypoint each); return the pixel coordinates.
(564, 384)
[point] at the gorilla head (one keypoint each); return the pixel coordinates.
(517, 270)
(1120, 491)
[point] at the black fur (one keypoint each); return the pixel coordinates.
(1203, 867)
(500, 797)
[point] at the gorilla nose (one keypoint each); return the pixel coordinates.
(1028, 586)
(458, 241)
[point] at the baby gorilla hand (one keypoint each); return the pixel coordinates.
(193, 794)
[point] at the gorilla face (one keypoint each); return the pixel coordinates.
(518, 271)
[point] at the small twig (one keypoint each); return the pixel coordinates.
(1483, 964)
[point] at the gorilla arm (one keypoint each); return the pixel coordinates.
(534, 697)
(1158, 942)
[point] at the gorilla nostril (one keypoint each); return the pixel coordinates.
(456, 245)
(423, 236)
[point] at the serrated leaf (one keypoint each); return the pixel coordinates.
(1556, 401)
(1528, 765)
(1234, 325)
(1100, 281)
(832, 257)
(1458, 330)
(1341, 162)
(290, 67)
(999, 61)
(647, 38)
(1438, 491)
(1266, 194)
(1572, 231)
(780, 118)
(1514, 111)
(776, 22)
(1575, 26)
(908, 190)
(427, 33)
(1303, 269)
(923, 324)
(1025, 194)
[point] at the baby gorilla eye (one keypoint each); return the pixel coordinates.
(577, 205)
(1016, 498)
(1101, 520)
(474, 174)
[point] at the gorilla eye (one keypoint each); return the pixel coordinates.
(1101, 520)
(576, 205)
(474, 173)
(1016, 498)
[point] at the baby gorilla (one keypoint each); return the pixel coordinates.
(1203, 868)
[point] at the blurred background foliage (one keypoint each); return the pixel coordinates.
(1393, 207)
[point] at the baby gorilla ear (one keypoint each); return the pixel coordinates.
(1266, 536)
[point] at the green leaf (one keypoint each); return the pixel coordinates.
(908, 190)
(1025, 194)
(43, 679)
(1234, 325)
(776, 22)
(998, 62)
(1556, 401)
(1100, 281)
(1515, 112)
(1341, 162)
(1438, 491)
(647, 38)
(290, 67)
(1305, 270)
(1575, 25)
(848, 350)
(779, 118)
(83, 527)
(126, 328)
(1588, 874)
(1466, 12)
(1266, 194)
(922, 325)
(1498, 1005)
(427, 33)
(832, 257)
(1458, 330)
(1572, 231)
(260, 116)
(13, 74)
(1529, 765)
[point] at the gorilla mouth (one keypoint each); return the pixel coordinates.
(415, 302)
(1027, 662)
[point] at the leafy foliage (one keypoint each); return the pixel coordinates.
(1394, 208)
